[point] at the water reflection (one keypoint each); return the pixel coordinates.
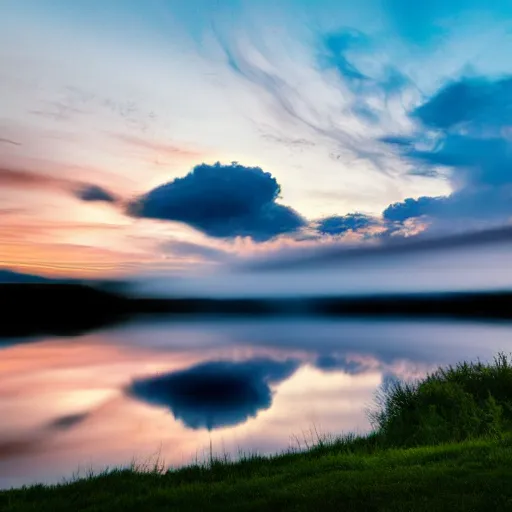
(216, 394)
(335, 362)
(68, 421)
(239, 385)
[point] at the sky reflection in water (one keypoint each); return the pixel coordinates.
(254, 386)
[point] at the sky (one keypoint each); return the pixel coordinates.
(164, 135)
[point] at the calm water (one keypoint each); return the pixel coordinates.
(107, 398)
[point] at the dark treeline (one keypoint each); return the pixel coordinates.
(59, 309)
(66, 309)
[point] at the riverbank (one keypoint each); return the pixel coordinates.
(464, 476)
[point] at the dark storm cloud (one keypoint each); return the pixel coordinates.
(223, 201)
(215, 394)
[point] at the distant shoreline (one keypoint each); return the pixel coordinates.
(67, 309)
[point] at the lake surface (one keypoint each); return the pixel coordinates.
(174, 389)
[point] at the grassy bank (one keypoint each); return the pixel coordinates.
(441, 444)
(465, 476)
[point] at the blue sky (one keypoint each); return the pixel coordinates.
(340, 116)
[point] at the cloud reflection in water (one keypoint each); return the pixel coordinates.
(215, 394)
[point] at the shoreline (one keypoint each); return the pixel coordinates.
(470, 475)
(69, 309)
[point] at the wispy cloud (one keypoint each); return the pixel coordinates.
(24, 178)
(17, 178)
(392, 247)
(94, 193)
(9, 141)
(159, 149)
(327, 93)
(203, 252)
(376, 107)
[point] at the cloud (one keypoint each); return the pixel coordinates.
(340, 51)
(334, 107)
(475, 102)
(469, 209)
(19, 178)
(386, 247)
(158, 148)
(223, 201)
(178, 248)
(215, 394)
(475, 161)
(69, 421)
(92, 193)
(338, 225)
(9, 141)
(349, 52)
(28, 179)
(21, 447)
(335, 362)
(409, 208)
(336, 46)
(465, 127)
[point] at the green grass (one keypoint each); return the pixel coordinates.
(468, 401)
(444, 443)
(474, 475)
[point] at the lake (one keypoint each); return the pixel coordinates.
(178, 389)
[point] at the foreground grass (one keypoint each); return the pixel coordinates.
(466, 401)
(465, 476)
(444, 443)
